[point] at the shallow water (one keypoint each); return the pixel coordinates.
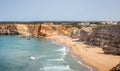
(21, 54)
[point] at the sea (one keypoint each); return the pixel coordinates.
(33, 54)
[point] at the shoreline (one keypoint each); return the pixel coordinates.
(91, 57)
(77, 58)
(69, 51)
(80, 60)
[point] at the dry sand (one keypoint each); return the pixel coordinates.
(93, 57)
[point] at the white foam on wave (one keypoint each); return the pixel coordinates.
(55, 43)
(67, 49)
(85, 65)
(80, 62)
(60, 59)
(42, 56)
(59, 68)
(46, 56)
(63, 50)
(32, 58)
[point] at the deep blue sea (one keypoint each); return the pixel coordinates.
(22, 54)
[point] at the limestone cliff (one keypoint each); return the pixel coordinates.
(107, 37)
(22, 29)
(8, 29)
(44, 30)
(35, 30)
(85, 32)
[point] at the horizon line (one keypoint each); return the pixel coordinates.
(66, 21)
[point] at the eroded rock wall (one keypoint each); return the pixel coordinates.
(85, 33)
(51, 30)
(35, 30)
(44, 30)
(8, 29)
(23, 29)
(107, 37)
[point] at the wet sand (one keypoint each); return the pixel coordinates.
(91, 57)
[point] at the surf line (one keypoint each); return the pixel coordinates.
(70, 52)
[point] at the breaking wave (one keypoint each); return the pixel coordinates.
(56, 68)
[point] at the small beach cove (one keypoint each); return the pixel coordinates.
(93, 58)
(22, 54)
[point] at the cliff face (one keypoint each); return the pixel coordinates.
(36, 30)
(8, 29)
(74, 32)
(47, 30)
(50, 30)
(107, 37)
(22, 29)
(85, 32)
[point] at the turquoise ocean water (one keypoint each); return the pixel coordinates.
(21, 54)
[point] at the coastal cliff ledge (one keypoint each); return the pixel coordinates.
(34, 30)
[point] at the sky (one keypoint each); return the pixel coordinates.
(59, 10)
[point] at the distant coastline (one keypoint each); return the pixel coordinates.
(55, 22)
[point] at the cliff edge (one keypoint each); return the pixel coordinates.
(34, 30)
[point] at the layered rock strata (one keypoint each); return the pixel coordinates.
(8, 29)
(35, 30)
(107, 37)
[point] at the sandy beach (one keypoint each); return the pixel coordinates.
(91, 55)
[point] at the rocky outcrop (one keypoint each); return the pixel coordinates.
(35, 30)
(116, 68)
(38, 30)
(22, 29)
(8, 29)
(50, 30)
(107, 37)
(85, 32)
(74, 32)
